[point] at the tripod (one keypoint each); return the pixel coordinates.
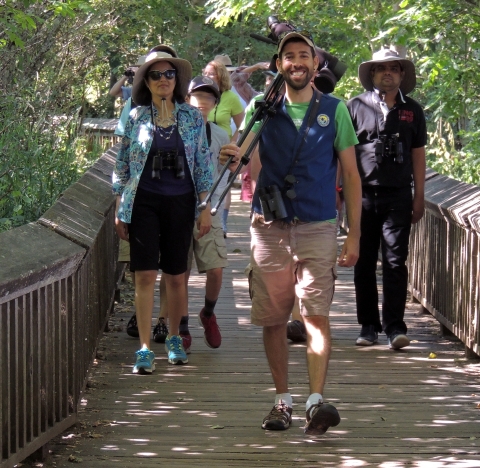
(265, 110)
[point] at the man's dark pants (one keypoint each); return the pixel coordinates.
(386, 222)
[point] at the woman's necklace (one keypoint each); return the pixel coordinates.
(165, 118)
(166, 135)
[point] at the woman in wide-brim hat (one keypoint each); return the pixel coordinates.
(162, 164)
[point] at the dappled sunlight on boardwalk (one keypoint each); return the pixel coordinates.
(418, 407)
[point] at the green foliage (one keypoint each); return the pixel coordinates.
(60, 58)
(40, 157)
(440, 36)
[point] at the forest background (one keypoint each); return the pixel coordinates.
(60, 58)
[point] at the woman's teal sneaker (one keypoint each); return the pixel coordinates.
(145, 362)
(175, 351)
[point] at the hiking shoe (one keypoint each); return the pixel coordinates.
(145, 362)
(368, 336)
(175, 351)
(132, 327)
(320, 417)
(212, 335)
(398, 340)
(279, 418)
(296, 331)
(160, 332)
(186, 341)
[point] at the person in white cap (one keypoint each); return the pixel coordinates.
(392, 134)
(294, 242)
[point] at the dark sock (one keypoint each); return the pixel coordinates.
(209, 307)
(183, 328)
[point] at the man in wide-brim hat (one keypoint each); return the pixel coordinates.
(384, 56)
(391, 130)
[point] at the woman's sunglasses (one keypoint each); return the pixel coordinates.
(155, 75)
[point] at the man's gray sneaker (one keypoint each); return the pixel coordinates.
(368, 336)
(398, 340)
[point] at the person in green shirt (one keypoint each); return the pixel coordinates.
(229, 107)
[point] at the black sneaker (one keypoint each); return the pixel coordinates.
(296, 331)
(132, 328)
(320, 417)
(160, 332)
(368, 336)
(279, 418)
(398, 340)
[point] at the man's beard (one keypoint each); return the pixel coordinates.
(296, 85)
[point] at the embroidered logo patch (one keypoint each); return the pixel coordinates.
(323, 120)
(406, 115)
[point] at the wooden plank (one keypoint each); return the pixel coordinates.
(398, 409)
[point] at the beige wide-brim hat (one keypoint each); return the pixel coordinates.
(387, 55)
(225, 59)
(141, 94)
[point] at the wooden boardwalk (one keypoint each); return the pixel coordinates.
(398, 408)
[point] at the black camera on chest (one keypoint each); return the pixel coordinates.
(389, 146)
(168, 160)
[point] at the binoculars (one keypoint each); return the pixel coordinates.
(272, 203)
(389, 146)
(168, 160)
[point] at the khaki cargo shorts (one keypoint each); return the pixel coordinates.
(124, 251)
(288, 260)
(210, 250)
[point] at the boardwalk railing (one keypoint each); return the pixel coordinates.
(100, 132)
(444, 261)
(58, 279)
(59, 276)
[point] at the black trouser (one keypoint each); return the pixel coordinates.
(386, 222)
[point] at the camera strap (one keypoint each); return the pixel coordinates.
(209, 134)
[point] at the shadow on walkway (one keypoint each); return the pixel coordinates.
(398, 408)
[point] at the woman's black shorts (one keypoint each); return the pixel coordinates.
(161, 228)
